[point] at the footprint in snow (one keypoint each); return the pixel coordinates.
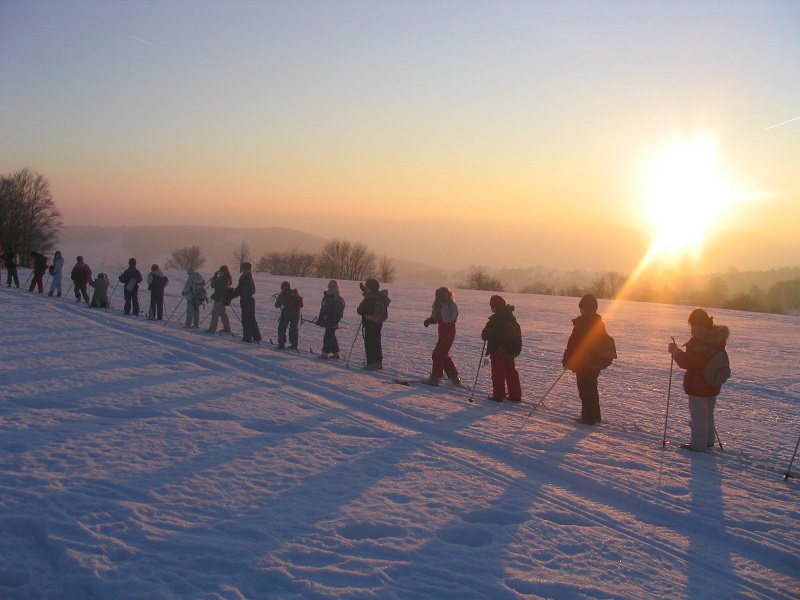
(492, 516)
(467, 536)
(371, 531)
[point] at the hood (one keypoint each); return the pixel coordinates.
(717, 335)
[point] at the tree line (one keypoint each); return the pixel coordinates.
(339, 259)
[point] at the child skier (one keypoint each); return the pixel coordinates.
(503, 343)
(39, 269)
(11, 260)
(444, 312)
(707, 339)
(81, 276)
(290, 302)
(57, 271)
(581, 356)
(156, 282)
(374, 311)
(331, 312)
(130, 278)
(100, 294)
(194, 291)
(221, 283)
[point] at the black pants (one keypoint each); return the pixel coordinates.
(590, 398)
(290, 320)
(372, 342)
(80, 290)
(131, 297)
(250, 331)
(12, 274)
(330, 345)
(157, 304)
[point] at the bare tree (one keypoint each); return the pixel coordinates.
(294, 263)
(386, 270)
(183, 258)
(479, 279)
(341, 259)
(29, 219)
(242, 254)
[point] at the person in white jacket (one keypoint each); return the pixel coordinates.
(57, 271)
(194, 292)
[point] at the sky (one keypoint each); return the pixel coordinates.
(504, 134)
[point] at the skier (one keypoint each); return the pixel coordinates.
(57, 271)
(156, 282)
(580, 357)
(81, 276)
(503, 343)
(290, 302)
(221, 283)
(331, 311)
(39, 269)
(374, 310)
(11, 260)
(100, 294)
(706, 340)
(130, 279)
(245, 290)
(194, 291)
(444, 312)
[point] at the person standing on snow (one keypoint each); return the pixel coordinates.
(374, 310)
(100, 294)
(221, 283)
(194, 292)
(580, 357)
(707, 339)
(290, 302)
(156, 282)
(39, 269)
(331, 311)
(503, 343)
(444, 313)
(57, 271)
(81, 276)
(130, 279)
(11, 260)
(246, 290)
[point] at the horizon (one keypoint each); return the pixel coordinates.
(605, 137)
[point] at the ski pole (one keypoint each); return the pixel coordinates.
(235, 314)
(475, 383)
(541, 400)
(791, 462)
(669, 391)
(347, 364)
(28, 279)
(177, 306)
(719, 441)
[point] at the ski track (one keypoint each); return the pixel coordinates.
(543, 457)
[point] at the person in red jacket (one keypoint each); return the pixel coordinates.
(81, 276)
(444, 312)
(706, 339)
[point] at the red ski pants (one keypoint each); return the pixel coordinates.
(504, 374)
(442, 363)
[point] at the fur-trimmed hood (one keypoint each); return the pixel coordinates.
(717, 335)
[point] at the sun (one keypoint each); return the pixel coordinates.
(686, 191)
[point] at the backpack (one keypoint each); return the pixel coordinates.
(717, 369)
(604, 351)
(512, 338)
(199, 295)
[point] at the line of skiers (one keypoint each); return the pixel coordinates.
(589, 349)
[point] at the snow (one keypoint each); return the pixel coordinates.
(139, 460)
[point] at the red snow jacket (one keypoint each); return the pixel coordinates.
(698, 350)
(81, 274)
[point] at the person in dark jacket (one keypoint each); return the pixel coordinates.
(706, 339)
(290, 302)
(500, 351)
(245, 290)
(81, 276)
(374, 311)
(579, 357)
(156, 282)
(444, 314)
(221, 283)
(100, 294)
(130, 279)
(39, 269)
(11, 260)
(331, 311)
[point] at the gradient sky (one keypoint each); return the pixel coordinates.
(452, 133)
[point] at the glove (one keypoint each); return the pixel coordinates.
(429, 321)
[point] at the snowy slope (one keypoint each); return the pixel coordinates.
(144, 461)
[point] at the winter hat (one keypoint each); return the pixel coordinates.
(700, 318)
(132, 262)
(589, 302)
(285, 286)
(80, 259)
(497, 302)
(372, 285)
(154, 267)
(333, 285)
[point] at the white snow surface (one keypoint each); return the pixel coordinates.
(143, 460)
